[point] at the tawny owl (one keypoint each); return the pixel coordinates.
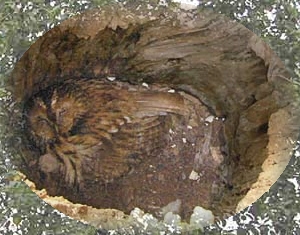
(103, 128)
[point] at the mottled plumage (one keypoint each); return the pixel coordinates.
(42, 129)
(99, 130)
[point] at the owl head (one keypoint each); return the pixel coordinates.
(41, 128)
(68, 106)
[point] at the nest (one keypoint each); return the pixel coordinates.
(143, 111)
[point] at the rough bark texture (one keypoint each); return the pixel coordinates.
(228, 68)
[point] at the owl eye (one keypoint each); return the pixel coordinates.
(78, 127)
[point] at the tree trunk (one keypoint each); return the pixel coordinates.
(226, 67)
